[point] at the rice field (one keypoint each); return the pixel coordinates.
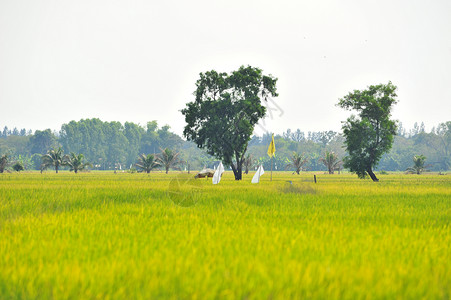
(137, 236)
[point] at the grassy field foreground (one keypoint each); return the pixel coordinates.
(119, 236)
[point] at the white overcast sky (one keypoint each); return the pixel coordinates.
(139, 60)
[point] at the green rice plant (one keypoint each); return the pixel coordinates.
(125, 235)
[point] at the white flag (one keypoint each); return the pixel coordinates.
(260, 172)
(218, 173)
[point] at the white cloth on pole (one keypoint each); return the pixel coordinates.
(260, 172)
(218, 173)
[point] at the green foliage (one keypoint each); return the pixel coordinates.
(75, 162)
(41, 141)
(134, 134)
(418, 165)
(169, 159)
(4, 161)
(222, 117)
(15, 145)
(297, 160)
(53, 158)
(36, 161)
(91, 138)
(18, 166)
(249, 163)
(370, 135)
(440, 141)
(110, 144)
(147, 162)
(331, 161)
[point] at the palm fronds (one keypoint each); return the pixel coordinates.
(297, 161)
(147, 162)
(54, 157)
(75, 162)
(331, 161)
(418, 165)
(169, 159)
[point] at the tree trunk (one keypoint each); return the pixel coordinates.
(372, 175)
(237, 170)
(56, 169)
(167, 170)
(238, 174)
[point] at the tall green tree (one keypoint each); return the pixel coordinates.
(147, 162)
(169, 159)
(226, 108)
(444, 134)
(53, 158)
(42, 141)
(169, 139)
(150, 140)
(439, 141)
(133, 133)
(370, 134)
(117, 144)
(75, 162)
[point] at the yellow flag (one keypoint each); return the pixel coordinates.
(272, 147)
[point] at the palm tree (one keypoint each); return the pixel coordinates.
(331, 161)
(168, 158)
(147, 162)
(248, 163)
(418, 165)
(297, 160)
(54, 157)
(75, 162)
(4, 159)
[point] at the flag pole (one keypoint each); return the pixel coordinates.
(271, 167)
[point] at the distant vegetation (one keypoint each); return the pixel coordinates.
(111, 145)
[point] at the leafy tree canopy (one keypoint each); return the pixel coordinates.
(42, 141)
(370, 134)
(222, 117)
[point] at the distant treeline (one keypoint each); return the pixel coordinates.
(113, 145)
